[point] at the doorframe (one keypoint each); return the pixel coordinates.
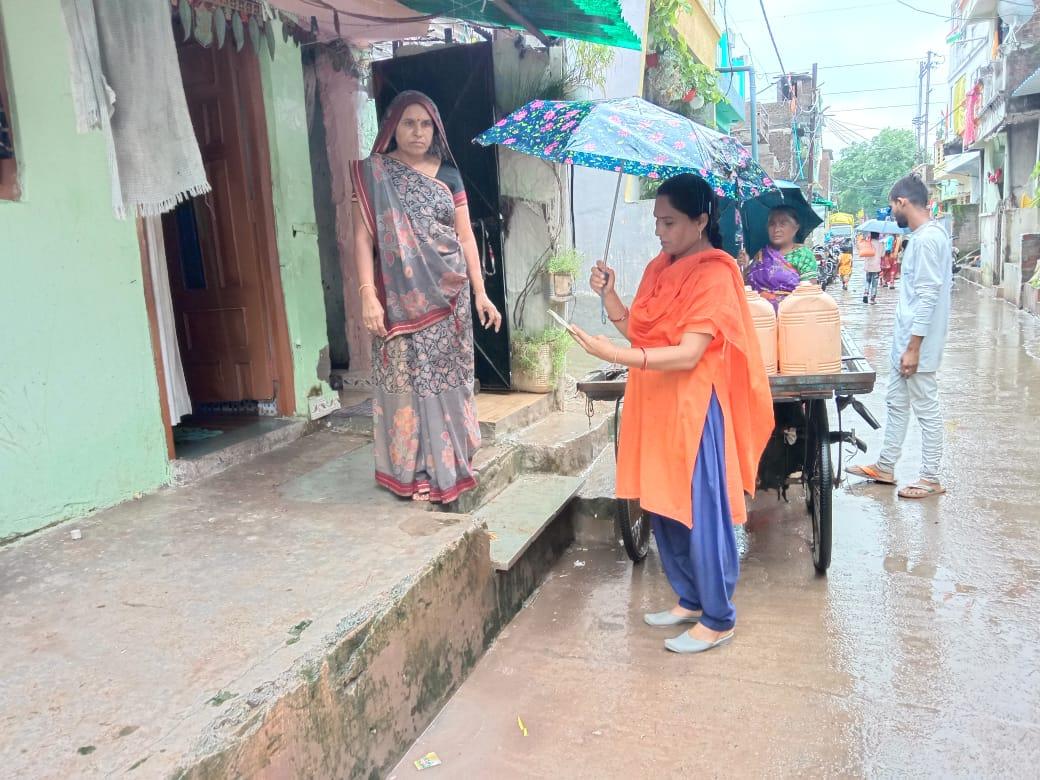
(248, 86)
(250, 90)
(153, 330)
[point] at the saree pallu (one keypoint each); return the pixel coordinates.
(772, 277)
(424, 415)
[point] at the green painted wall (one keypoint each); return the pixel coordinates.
(284, 100)
(80, 425)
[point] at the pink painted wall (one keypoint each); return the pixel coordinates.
(341, 95)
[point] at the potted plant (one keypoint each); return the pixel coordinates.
(539, 359)
(563, 267)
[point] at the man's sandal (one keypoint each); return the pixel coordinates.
(922, 489)
(873, 474)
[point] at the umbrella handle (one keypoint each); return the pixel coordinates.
(606, 249)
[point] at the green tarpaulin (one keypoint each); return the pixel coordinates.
(595, 21)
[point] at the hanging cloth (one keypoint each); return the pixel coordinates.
(154, 158)
(176, 388)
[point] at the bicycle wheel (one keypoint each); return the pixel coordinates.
(820, 485)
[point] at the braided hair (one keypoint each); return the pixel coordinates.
(693, 196)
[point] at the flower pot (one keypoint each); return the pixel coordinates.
(562, 285)
(538, 379)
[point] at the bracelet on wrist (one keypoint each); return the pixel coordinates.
(622, 318)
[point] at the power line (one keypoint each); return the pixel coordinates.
(827, 10)
(878, 89)
(863, 64)
(876, 108)
(769, 27)
(946, 17)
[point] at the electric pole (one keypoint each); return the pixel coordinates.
(812, 134)
(927, 101)
(920, 103)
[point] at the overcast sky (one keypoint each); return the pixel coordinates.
(844, 32)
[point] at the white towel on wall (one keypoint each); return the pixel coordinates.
(154, 158)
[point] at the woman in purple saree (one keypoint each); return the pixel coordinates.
(417, 264)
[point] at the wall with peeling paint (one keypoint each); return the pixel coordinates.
(295, 228)
(80, 425)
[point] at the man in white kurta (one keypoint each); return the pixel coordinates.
(922, 322)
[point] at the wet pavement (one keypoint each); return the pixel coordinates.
(917, 656)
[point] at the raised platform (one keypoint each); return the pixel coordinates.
(499, 414)
(285, 618)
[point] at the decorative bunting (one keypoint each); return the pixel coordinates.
(238, 30)
(185, 9)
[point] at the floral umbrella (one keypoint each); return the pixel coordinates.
(630, 135)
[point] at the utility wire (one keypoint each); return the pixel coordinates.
(878, 89)
(874, 108)
(769, 27)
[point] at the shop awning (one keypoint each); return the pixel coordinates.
(358, 21)
(1031, 86)
(966, 164)
(595, 21)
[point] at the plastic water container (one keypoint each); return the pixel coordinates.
(764, 317)
(809, 332)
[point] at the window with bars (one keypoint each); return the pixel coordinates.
(8, 163)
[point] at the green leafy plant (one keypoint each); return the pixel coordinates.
(678, 71)
(866, 171)
(566, 261)
(592, 62)
(664, 15)
(526, 347)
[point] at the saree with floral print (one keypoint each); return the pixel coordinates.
(424, 415)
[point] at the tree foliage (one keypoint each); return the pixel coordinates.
(865, 172)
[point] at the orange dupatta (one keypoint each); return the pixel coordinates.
(665, 411)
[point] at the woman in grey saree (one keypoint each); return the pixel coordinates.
(417, 264)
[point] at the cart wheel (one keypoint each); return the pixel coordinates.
(632, 520)
(820, 484)
(635, 529)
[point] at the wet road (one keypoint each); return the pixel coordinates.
(917, 656)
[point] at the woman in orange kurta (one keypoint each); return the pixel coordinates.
(698, 411)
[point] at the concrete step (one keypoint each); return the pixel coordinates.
(499, 414)
(565, 442)
(275, 433)
(499, 465)
(521, 512)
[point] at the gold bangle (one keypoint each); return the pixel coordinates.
(361, 289)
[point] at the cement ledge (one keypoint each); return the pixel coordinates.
(353, 706)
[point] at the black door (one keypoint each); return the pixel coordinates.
(460, 80)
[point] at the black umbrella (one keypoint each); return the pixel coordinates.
(752, 218)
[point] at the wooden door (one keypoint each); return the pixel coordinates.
(213, 245)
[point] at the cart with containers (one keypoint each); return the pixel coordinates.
(800, 450)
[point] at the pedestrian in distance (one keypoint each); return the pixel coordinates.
(922, 321)
(845, 268)
(698, 409)
(870, 250)
(418, 266)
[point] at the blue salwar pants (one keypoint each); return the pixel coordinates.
(702, 564)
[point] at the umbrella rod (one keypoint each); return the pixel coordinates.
(606, 249)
